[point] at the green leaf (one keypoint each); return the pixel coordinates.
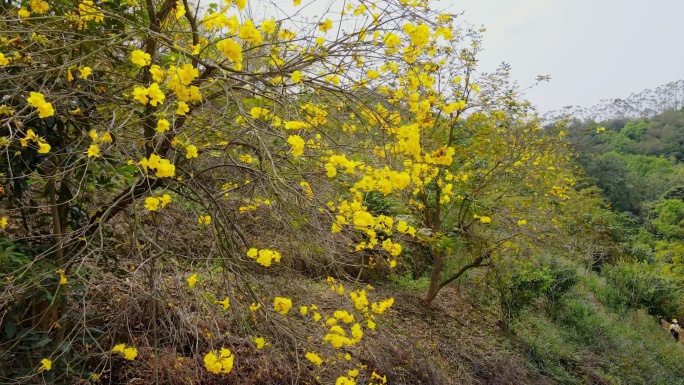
(10, 328)
(42, 343)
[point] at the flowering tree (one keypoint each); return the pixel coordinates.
(146, 142)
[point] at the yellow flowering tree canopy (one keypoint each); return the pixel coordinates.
(146, 144)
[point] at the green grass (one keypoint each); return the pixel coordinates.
(589, 342)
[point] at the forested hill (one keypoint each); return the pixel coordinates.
(636, 162)
(646, 103)
(638, 165)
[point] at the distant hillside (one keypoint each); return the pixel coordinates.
(645, 104)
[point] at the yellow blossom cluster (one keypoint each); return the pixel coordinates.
(163, 167)
(232, 50)
(128, 353)
(282, 305)
(140, 58)
(219, 361)
(314, 358)
(213, 21)
(297, 144)
(180, 82)
(37, 101)
(39, 6)
(88, 12)
(264, 257)
(204, 220)
(152, 94)
(153, 203)
(43, 146)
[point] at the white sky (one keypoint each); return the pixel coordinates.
(593, 49)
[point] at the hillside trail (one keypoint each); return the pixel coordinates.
(666, 326)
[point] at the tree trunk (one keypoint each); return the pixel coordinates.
(435, 278)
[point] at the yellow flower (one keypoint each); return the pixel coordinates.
(3, 223)
(314, 358)
(140, 58)
(39, 6)
(95, 376)
(37, 101)
(232, 50)
(182, 108)
(88, 12)
(164, 200)
(241, 4)
(344, 316)
(376, 376)
(225, 303)
(85, 72)
(297, 144)
(45, 364)
(249, 33)
(282, 305)
(23, 13)
(260, 342)
(254, 306)
(345, 381)
(155, 94)
(303, 310)
(192, 280)
(163, 166)
(286, 34)
(130, 353)
(268, 26)
(119, 348)
(485, 220)
(325, 26)
(62, 278)
(191, 151)
(296, 77)
(106, 138)
(3, 60)
(180, 9)
(297, 2)
(522, 222)
(380, 308)
(162, 125)
(219, 363)
(93, 151)
(43, 148)
(264, 257)
(151, 203)
(204, 220)
(140, 94)
(157, 73)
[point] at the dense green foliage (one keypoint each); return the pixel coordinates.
(638, 165)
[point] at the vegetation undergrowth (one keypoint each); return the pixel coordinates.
(202, 193)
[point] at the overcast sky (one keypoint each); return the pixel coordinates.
(593, 49)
